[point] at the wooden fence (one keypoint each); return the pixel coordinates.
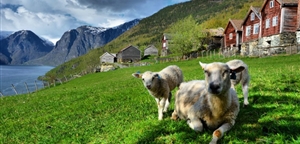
(44, 84)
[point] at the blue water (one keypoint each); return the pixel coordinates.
(18, 75)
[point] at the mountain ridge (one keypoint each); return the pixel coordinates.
(79, 41)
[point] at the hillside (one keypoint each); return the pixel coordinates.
(210, 14)
(115, 107)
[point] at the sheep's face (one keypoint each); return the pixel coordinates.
(149, 78)
(217, 77)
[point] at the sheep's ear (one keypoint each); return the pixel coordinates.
(237, 70)
(203, 65)
(157, 76)
(137, 75)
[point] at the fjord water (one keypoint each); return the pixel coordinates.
(18, 75)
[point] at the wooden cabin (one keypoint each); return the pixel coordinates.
(108, 58)
(129, 54)
(251, 25)
(151, 50)
(233, 34)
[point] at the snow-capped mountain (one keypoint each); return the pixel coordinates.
(79, 41)
(22, 46)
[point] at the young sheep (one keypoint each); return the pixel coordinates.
(241, 77)
(160, 84)
(211, 101)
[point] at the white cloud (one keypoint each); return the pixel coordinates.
(51, 18)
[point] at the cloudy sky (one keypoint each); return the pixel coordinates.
(51, 18)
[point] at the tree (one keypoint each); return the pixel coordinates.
(186, 36)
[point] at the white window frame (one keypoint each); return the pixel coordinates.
(275, 21)
(256, 28)
(252, 16)
(248, 30)
(267, 23)
(230, 36)
(271, 3)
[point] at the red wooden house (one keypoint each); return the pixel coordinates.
(279, 16)
(251, 25)
(233, 34)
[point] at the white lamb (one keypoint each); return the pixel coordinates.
(242, 77)
(160, 84)
(211, 101)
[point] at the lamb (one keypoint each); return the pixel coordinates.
(160, 84)
(241, 77)
(211, 102)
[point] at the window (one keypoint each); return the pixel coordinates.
(248, 30)
(230, 36)
(256, 28)
(274, 21)
(252, 16)
(271, 3)
(267, 23)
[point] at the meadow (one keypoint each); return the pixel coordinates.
(114, 107)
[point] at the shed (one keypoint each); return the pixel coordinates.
(151, 50)
(129, 54)
(108, 58)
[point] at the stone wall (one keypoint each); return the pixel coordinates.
(271, 45)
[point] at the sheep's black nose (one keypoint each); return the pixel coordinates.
(148, 86)
(214, 87)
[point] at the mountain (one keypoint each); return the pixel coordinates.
(21, 47)
(79, 41)
(5, 34)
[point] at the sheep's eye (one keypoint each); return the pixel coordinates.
(207, 73)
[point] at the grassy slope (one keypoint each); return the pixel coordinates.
(114, 107)
(150, 29)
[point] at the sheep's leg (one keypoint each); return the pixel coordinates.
(195, 123)
(220, 132)
(245, 93)
(161, 105)
(167, 102)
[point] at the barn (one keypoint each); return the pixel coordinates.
(129, 54)
(108, 58)
(151, 50)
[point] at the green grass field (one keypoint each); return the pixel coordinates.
(114, 107)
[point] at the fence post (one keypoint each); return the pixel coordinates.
(65, 78)
(26, 87)
(36, 88)
(14, 88)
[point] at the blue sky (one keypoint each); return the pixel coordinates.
(51, 18)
